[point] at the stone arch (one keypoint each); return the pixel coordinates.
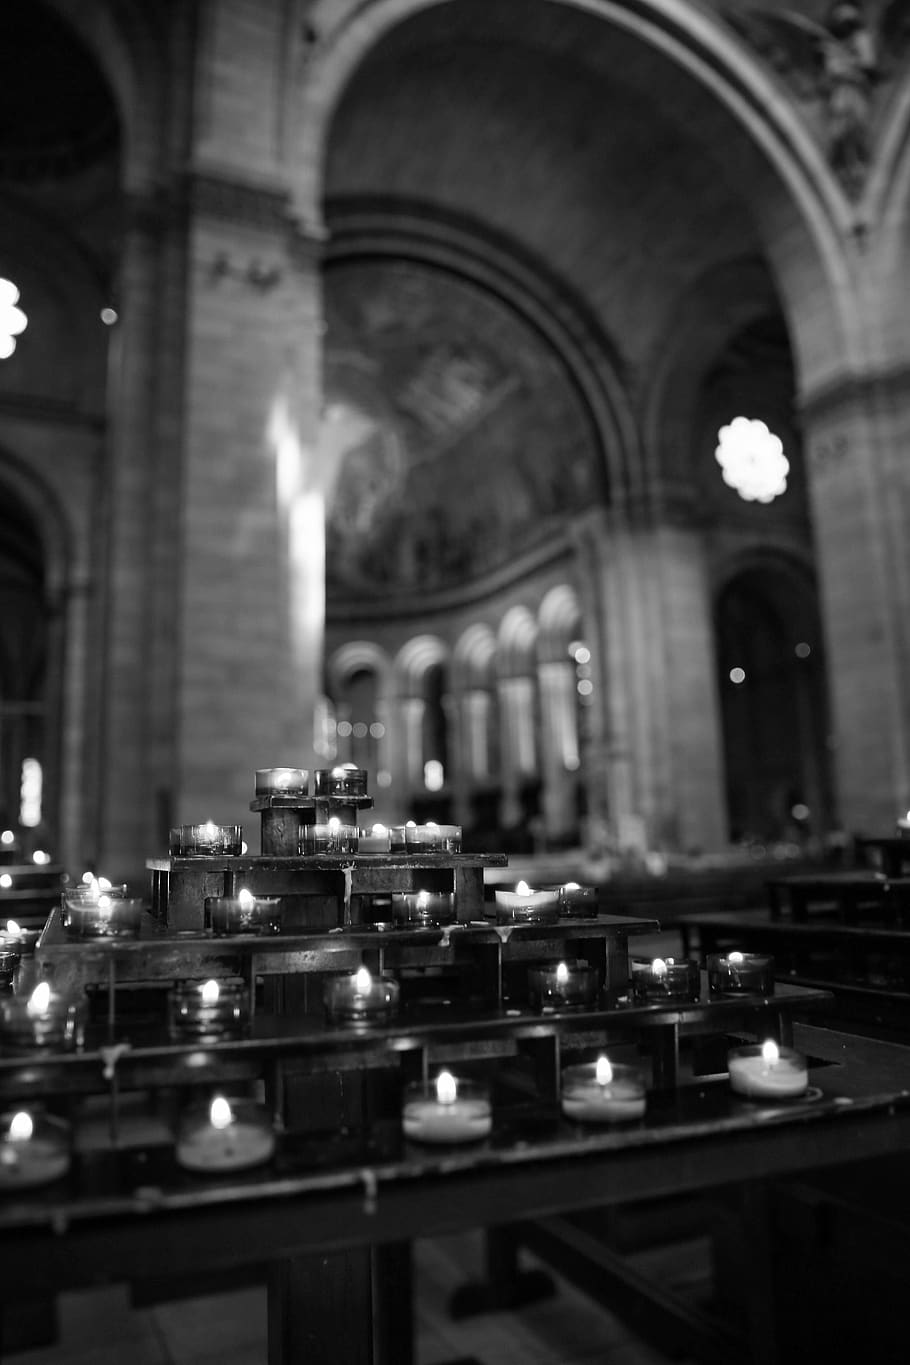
(473, 657)
(424, 233)
(354, 656)
(783, 173)
(557, 621)
(124, 43)
(517, 640)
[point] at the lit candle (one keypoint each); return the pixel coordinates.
(423, 908)
(666, 981)
(207, 1010)
(346, 779)
(567, 985)
(97, 910)
(360, 997)
(525, 906)
(34, 1150)
(21, 940)
(740, 973)
(375, 840)
(230, 1135)
(767, 1072)
(44, 1019)
(903, 825)
(282, 781)
(397, 839)
(207, 840)
(603, 1092)
(244, 913)
(452, 1110)
(427, 838)
(333, 837)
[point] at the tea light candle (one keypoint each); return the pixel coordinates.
(567, 985)
(360, 997)
(525, 906)
(767, 1072)
(740, 973)
(282, 781)
(34, 1150)
(207, 841)
(44, 1019)
(426, 838)
(603, 1092)
(664, 980)
(10, 848)
(448, 837)
(228, 1135)
(331, 838)
(207, 1010)
(375, 840)
(346, 779)
(577, 902)
(105, 916)
(451, 1110)
(244, 913)
(423, 907)
(21, 940)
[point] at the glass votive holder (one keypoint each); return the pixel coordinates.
(331, 838)
(9, 965)
(361, 997)
(423, 908)
(377, 839)
(577, 902)
(35, 1149)
(563, 985)
(603, 1092)
(345, 779)
(43, 1020)
(665, 981)
(204, 1011)
(282, 781)
(423, 838)
(16, 938)
(108, 917)
(766, 1071)
(740, 973)
(525, 906)
(206, 841)
(397, 840)
(244, 914)
(450, 1109)
(225, 1134)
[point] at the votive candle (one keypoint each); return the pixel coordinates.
(225, 1135)
(450, 1109)
(572, 985)
(244, 914)
(738, 973)
(361, 997)
(766, 1071)
(46, 1018)
(603, 1092)
(666, 981)
(423, 908)
(282, 781)
(577, 901)
(34, 1150)
(207, 1010)
(207, 840)
(526, 906)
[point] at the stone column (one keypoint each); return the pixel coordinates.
(856, 440)
(556, 682)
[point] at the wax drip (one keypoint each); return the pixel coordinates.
(348, 870)
(504, 931)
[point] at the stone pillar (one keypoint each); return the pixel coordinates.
(518, 756)
(556, 683)
(856, 440)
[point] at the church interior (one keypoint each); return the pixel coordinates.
(494, 411)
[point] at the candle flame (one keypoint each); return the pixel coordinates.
(12, 927)
(423, 900)
(571, 886)
(770, 1052)
(603, 1071)
(209, 830)
(410, 824)
(246, 898)
(39, 999)
(362, 981)
(220, 1114)
(431, 824)
(446, 1088)
(20, 1127)
(334, 824)
(210, 992)
(562, 974)
(735, 958)
(380, 830)
(522, 889)
(659, 967)
(7, 837)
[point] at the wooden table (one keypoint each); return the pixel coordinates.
(125, 1214)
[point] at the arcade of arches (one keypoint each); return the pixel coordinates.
(367, 409)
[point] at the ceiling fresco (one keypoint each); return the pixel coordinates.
(455, 438)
